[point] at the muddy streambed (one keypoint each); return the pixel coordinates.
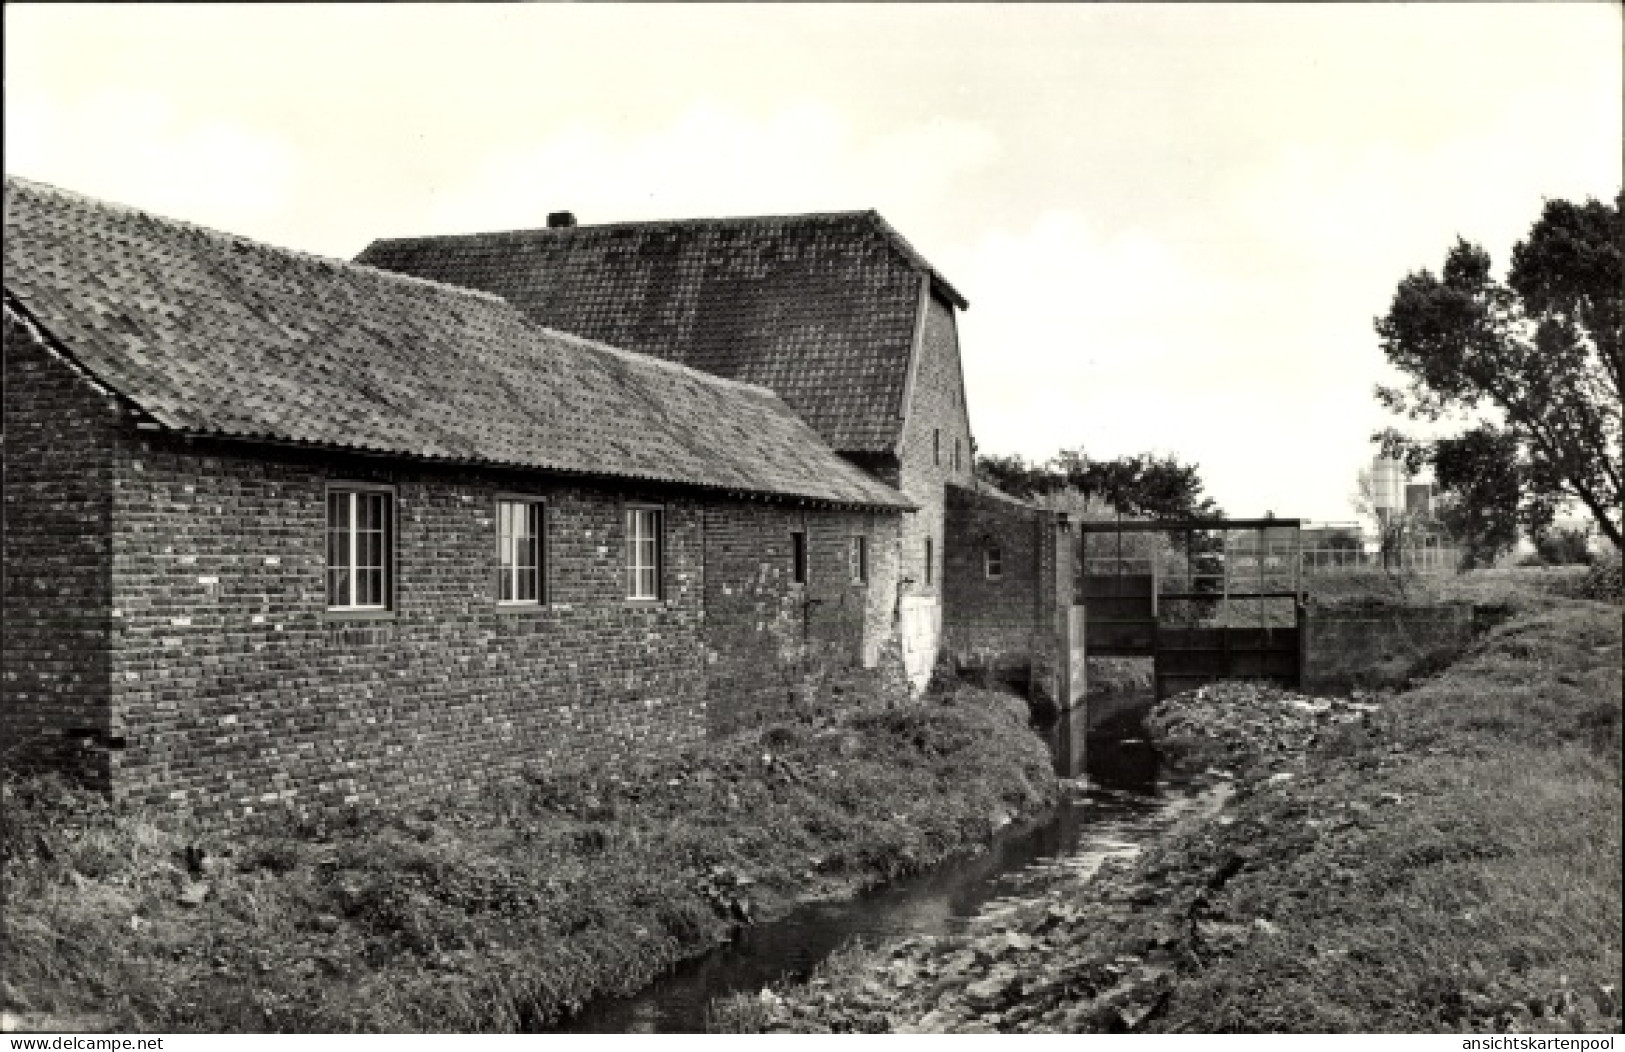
(1116, 798)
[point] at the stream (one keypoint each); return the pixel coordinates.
(1115, 799)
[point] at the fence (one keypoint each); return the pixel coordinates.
(1430, 559)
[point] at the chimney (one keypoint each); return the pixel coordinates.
(560, 220)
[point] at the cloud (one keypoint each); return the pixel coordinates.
(716, 159)
(1126, 343)
(136, 148)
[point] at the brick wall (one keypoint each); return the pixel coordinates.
(936, 420)
(770, 639)
(187, 622)
(58, 561)
(989, 622)
(1012, 625)
(234, 688)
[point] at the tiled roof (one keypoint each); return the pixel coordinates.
(210, 333)
(819, 308)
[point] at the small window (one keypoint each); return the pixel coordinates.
(930, 559)
(956, 454)
(993, 561)
(798, 556)
(519, 552)
(645, 552)
(860, 560)
(936, 447)
(360, 528)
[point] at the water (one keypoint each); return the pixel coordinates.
(1115, 799)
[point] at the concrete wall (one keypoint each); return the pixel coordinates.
(1367, 645)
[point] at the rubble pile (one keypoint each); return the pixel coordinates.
(1234, 725)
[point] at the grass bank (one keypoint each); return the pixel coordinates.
(1444, 859)
(493, 913)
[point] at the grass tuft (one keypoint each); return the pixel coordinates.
(501, 912)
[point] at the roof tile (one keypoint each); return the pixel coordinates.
(820, 309)
(216, 334)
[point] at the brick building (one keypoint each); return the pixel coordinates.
(836, 313)
(1008, 580)
(280, 527)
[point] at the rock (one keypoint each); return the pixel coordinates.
(993, 991)
(936, 1021)
(11, 997)
(194, 894)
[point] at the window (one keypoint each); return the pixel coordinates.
(359, 542)
(930, 558)
(993, 561)
(798, 556)
(956, 454)
(860, 560)
(644, 553)
(936, 447)
(519, 552)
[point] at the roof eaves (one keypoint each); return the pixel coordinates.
(899, 505)
(938, 282)
(156, 417)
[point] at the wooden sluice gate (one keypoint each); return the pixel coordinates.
(1203, 599)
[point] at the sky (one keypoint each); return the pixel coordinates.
(1174, 224)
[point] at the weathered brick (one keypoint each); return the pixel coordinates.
(172, 614)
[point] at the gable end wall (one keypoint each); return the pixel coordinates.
(59, 439)
(936, 407)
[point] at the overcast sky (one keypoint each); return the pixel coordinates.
(1174, 224)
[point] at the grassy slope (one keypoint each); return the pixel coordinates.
(1453, 864)
(495, 913)
(1449, 862)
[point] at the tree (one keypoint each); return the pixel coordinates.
(1140, 486)
(1564, 546)
(1540, 352)
(1483, 494)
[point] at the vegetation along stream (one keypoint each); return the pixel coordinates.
(1118, 797)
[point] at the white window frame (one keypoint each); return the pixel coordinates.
(858, 558)
(993, 561)
(354, 492)
(645, 523)
(509, 573)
